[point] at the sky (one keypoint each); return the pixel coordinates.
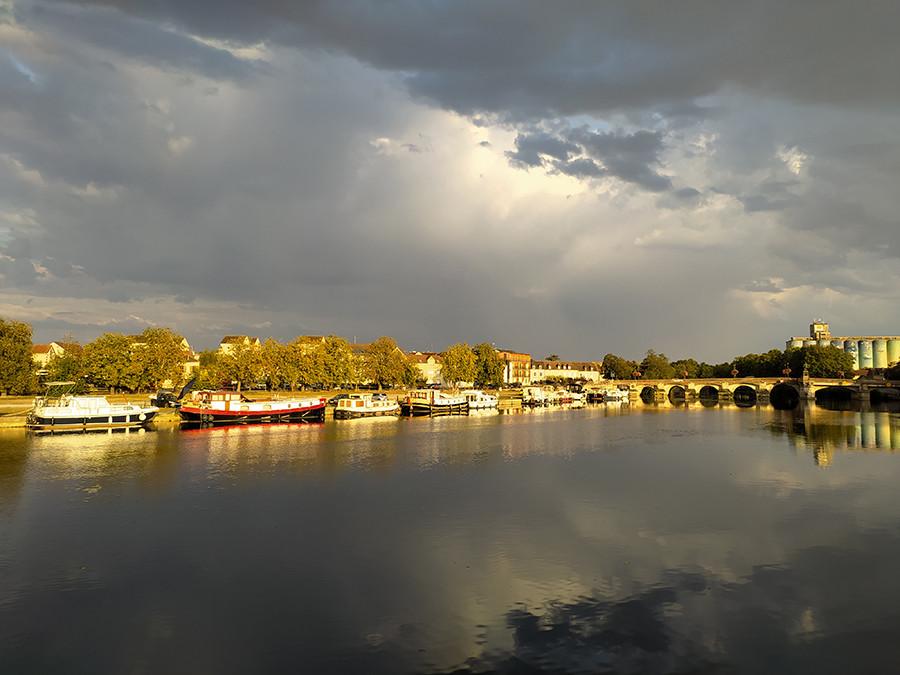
(577, 178)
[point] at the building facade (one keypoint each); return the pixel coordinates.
(429, 365)
(43, 354)
(516, 367)
(230, 342)
(868, 351)
(582, 371)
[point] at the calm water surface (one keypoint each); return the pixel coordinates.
(650, 540)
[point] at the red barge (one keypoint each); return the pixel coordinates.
(232, 407)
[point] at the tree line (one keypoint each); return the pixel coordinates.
(145, 362)
(816, 361)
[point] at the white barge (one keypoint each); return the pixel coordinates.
(365, 405)
(433, 402)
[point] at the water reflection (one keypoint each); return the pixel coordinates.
(629, 539)
(833, 429)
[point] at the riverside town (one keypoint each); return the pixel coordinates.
(250, 380)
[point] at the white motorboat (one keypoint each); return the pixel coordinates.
(478, 400)
(61, 410)
(365, 405)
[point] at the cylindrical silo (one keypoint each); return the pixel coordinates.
(893, 351)
(883, 430)
(852, 348)
(868, 430)
(824, 342)
(796, 344)
(866, 356)
(879, 356)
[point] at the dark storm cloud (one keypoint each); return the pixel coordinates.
(139, 39)
(583, 153)
(537, 59)
(531, 149)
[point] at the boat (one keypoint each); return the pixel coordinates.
(433, 402)
(365, 405)
(61, 410)
(232, 407)
(534, 397)
(478, 400)
(607, 394)
(578, 399)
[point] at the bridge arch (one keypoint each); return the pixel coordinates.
(648, 394)
(833, 394)
(881, 394)
(784, 396)
(677, 394)
(708, 395)
(744, 395)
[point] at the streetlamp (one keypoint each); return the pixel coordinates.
(786, 372)
(636, 375)
(734, 372)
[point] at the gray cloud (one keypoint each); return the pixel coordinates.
(146, 169)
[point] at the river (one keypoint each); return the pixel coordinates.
(622, 539)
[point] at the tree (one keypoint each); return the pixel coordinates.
(107, 363)
(242, 365)
(459, 364)
(68, 367)
(616, 368)
(16, 365)
(337, 362)
(656, 367)
(686, 368)
(488, 366)
(385, 364)
(819, 361)
(275, 364)
(158, 355)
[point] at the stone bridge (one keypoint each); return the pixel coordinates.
(781, 392)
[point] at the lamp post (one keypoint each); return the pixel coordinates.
(734, 372)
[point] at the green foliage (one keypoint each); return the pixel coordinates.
(688, 368)
(770, 364)
(338, 365)
(107, 363)
(243, 365)
(459, 364)
(16, 366)
(158, 355)
(819, 361)
(488, 366)
(616, 368)
(69, 367)
(656, 367)
(385, 364)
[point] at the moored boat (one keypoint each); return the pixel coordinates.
(365, 405)
(433, 402)
(61, 410)
(232, 407)
(478, 400)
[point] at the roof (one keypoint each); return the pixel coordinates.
(40, 349)
(422, 357)
(564, 365)
(237, 339)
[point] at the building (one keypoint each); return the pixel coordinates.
(230, 342)
(516, 367)
(429, 365)
(582, 371)
(868, 351)
(43, 354)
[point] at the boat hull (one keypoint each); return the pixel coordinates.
(314, 413)
(39, 422)
(340, 414)
(423, 409)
